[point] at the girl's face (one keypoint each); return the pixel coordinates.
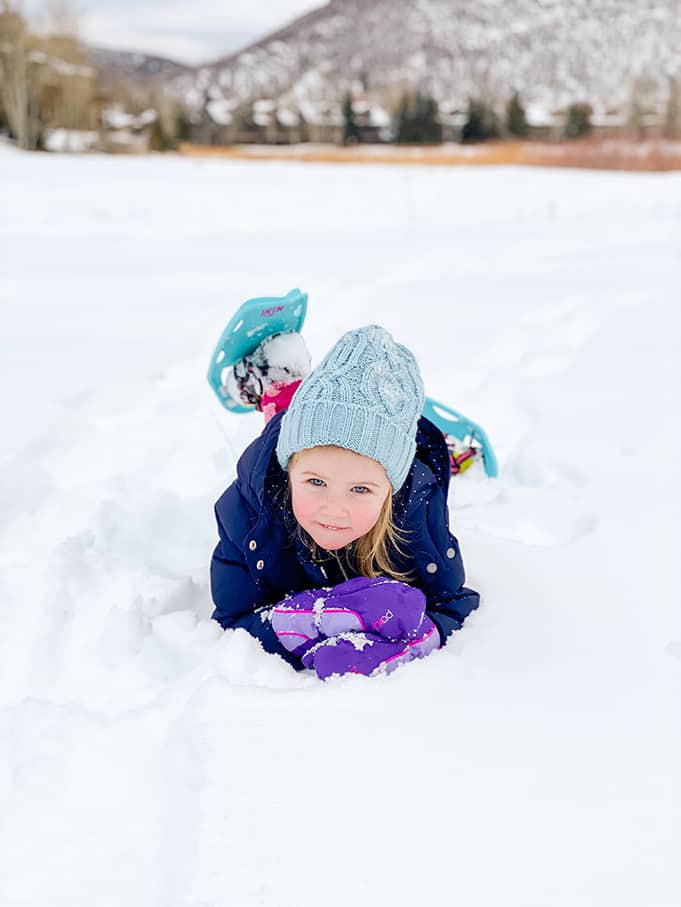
(337, 494)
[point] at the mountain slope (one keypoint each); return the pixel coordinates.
(137, 67)
(609, 52)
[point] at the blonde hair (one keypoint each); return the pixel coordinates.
(373, 549)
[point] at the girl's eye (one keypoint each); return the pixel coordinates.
(316, 482)
(361, 489)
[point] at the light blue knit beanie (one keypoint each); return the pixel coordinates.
(365, 395)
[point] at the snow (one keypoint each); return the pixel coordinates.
(60, 66)
(359, 640)
(285, 355)
(288, 117)
(318, 608)
(538, 115)
(220, 111)
(150, 759)
(115, 117)
(77, 140)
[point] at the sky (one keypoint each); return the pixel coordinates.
(189, 31)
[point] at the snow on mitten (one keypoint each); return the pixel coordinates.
(295, 619)
(368, 653)
(389, 608)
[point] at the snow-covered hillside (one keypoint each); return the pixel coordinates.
(619, 55)
(147, 759)
(119, 65)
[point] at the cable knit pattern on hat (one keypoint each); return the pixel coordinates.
(366, 395)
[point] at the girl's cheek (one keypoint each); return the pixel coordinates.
(303, 506)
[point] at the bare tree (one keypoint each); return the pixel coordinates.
(20, 74)
(165, 133)
(69, 82)
(673, 113)
(44, 80)
(642, 106)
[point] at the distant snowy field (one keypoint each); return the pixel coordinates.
(147, 759)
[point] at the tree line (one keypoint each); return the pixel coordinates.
(418, 120)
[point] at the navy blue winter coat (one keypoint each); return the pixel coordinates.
(260, 558)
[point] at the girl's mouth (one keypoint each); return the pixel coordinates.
(333, 528)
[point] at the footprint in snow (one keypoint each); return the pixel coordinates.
(560, 345)
(673, 649)
(541, 517)
(545, 342)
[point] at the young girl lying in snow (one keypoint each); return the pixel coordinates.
(334, 548)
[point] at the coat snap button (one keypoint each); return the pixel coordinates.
(451, 552)
(432, 568)
(260, 565)
(252, 544)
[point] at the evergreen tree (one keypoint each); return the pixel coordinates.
(402, 127)
(351, 133)
(418, 121)
(578, 121)
(431, 128)
(516, 121)
(481, 124)
(184, 127)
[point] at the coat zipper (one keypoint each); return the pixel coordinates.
(340, 564)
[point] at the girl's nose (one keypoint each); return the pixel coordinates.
(335, 503)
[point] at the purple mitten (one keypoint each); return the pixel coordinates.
(385, 607)
(295, 620)
(368, 653)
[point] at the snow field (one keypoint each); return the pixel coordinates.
(146, 757)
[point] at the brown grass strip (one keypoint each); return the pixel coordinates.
(653, 155)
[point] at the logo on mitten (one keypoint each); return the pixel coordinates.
(383, 620)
